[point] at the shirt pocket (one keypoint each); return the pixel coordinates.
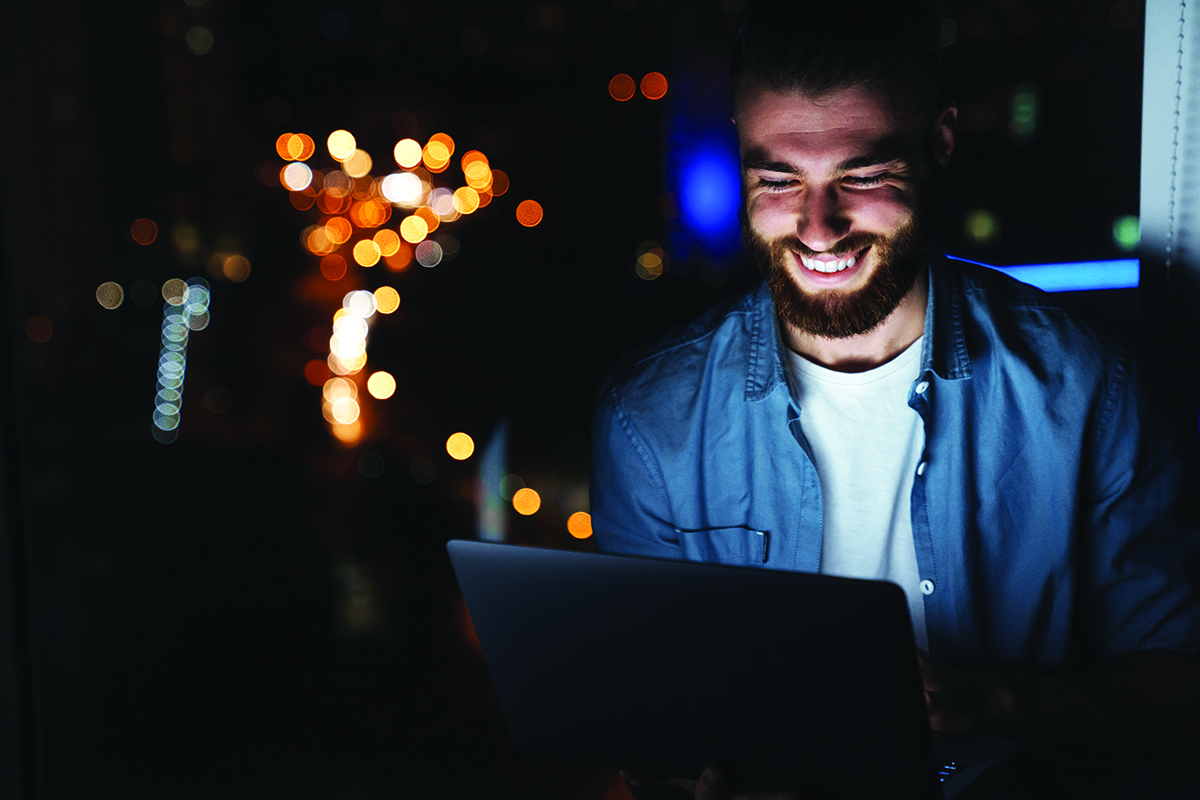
(739, 545)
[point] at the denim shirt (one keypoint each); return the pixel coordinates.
(1042, 507)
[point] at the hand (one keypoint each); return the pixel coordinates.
(958, 700)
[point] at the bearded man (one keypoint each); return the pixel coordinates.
(874, 411)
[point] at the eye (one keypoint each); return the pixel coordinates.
(864, 181)
(776, 185)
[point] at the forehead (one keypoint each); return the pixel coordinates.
(844, 123)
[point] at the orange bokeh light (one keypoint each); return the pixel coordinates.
(332, 202)
(473, 157)
(333, 267)
(499, 182)
(526, 501)
(430, 217)
(370, 213)
(144, 231)
(622, 87)
(579, 525)
(654, 85)
(338, 230)
(317, 372)
(529, 213)
(445, 141)
(317, 241)
(388, 241)
(401, 260)
(348, 434)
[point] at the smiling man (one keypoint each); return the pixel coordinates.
(873, 411)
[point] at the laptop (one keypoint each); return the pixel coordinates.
(792, 680)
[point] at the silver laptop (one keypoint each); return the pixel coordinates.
(791, 680)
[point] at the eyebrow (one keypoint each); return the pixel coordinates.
(758, 159)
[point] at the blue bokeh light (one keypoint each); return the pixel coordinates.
(708, 183)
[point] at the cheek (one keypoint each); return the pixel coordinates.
(883, 212)
(772, 215)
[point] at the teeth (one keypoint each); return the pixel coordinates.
(828, 266)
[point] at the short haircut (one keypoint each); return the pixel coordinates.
(821, 47)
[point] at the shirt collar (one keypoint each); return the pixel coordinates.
(944, 351)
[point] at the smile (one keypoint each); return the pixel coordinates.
(831, 265)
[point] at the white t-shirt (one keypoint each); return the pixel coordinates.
(866, 442)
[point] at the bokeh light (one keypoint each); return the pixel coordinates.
(317, 372)
(579, 525)
(381, 385)
(526, 501)
(1127, 232)
(429, 254)
(407, 153)
(39, 329)
(981, 226)
(236, 267)
(338, 230)
(460, 446)
(144, 231)
(654, 86)
(499, 182)
(296, 176)
(341, 145)
(387, 300)
(358, 165)
(388, 242)
(333, 267)
(622, 87)
(348, 434)
(529, 213)
(414, 229)
(361, 304)
(173, 291)
(466, 200)
(110, 295)
(367, 253)
(402, 188)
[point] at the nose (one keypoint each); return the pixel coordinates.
(823, 220)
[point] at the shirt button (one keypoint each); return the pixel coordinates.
(926, 587)
(922, 386)
(921, 468)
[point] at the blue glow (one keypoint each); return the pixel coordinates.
(710, 193)
(1075, 276)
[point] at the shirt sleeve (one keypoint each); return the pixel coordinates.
(1140, 561)
(629, 501)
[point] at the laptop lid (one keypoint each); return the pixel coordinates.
(792, 679)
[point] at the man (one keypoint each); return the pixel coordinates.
(874, 411)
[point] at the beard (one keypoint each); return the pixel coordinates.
(834, 313)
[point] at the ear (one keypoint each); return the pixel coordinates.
(943, 138)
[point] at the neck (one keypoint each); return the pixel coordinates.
(878, 346)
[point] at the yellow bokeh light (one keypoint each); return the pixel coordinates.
(381, 385)
(337, 388)
(436, 157)
(388, 241)
(579, 525)
(367, 253)
(414, 229)
(526, 501)
(348, 434)
(358, 165)
(174, 290)
(460, 446)
(345, 410)
(341, 145)
(466, 200)
(478, 175)
(387, 299)
(445, 141)
(407, 153)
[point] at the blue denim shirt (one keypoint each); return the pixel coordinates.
(1042, 507)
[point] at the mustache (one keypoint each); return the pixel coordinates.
(852, 244)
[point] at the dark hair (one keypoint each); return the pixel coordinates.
(820, 47)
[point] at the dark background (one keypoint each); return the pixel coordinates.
(255, 609)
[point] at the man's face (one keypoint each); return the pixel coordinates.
(835, 205)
